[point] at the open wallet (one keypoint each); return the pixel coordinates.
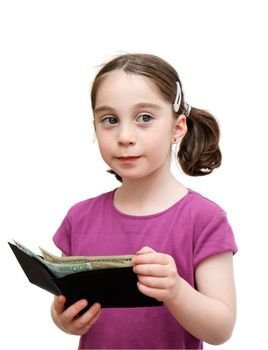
(114, 287)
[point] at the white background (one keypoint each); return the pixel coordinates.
(50, 51)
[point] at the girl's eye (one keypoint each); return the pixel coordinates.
(109, 120)
(144, 118)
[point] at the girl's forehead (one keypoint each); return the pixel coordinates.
(120, 82)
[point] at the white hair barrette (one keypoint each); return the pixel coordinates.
(177, 102)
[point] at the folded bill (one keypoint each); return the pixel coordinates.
(97, 262)
(62, 266)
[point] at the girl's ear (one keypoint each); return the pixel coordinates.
(179, 129)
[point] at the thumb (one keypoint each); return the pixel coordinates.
(59, 304)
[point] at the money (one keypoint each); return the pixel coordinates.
(61, 270)
(58, 270)
(97, 262)
(66, 265)
(24, 249)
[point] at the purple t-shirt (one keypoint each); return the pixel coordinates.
(191, 230)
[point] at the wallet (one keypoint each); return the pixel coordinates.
(114, 287)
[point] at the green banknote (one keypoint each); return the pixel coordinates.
(62, 266)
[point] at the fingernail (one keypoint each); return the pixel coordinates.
(83, 303)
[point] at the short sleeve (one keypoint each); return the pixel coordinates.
(62, 237)
(215, 238)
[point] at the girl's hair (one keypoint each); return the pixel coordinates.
(199, 153)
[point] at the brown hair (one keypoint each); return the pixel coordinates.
(199, 153)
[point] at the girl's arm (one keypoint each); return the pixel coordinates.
(209, 312)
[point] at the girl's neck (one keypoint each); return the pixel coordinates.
(148, 195)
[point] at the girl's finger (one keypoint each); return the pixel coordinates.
(156, 282)
(93, 318)
(151, 258)
(90, 314)
(59, 303)
(151, 292)
(152, 270)
(81, 330)
(145, 250)
(74, 309)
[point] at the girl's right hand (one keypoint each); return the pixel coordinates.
(68, 319)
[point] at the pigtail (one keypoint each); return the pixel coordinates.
(199, 152)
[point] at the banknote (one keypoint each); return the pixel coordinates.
(24, 249)
(58, 270)
(61, 270)
(97, 262)
(62, 266)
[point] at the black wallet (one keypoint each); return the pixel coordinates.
(115, 287)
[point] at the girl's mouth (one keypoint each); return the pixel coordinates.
(128, 159)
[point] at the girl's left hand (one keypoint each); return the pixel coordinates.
(157, 274)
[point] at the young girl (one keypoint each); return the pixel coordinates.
(183, 243)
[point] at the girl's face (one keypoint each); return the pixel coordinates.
(135, 126)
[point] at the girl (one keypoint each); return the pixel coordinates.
(183, 242)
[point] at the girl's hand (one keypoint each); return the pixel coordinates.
(69, 321)
(157, 274)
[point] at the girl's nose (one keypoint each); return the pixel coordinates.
(126, 135)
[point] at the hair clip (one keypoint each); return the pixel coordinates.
(177, 102)
(187, 109)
